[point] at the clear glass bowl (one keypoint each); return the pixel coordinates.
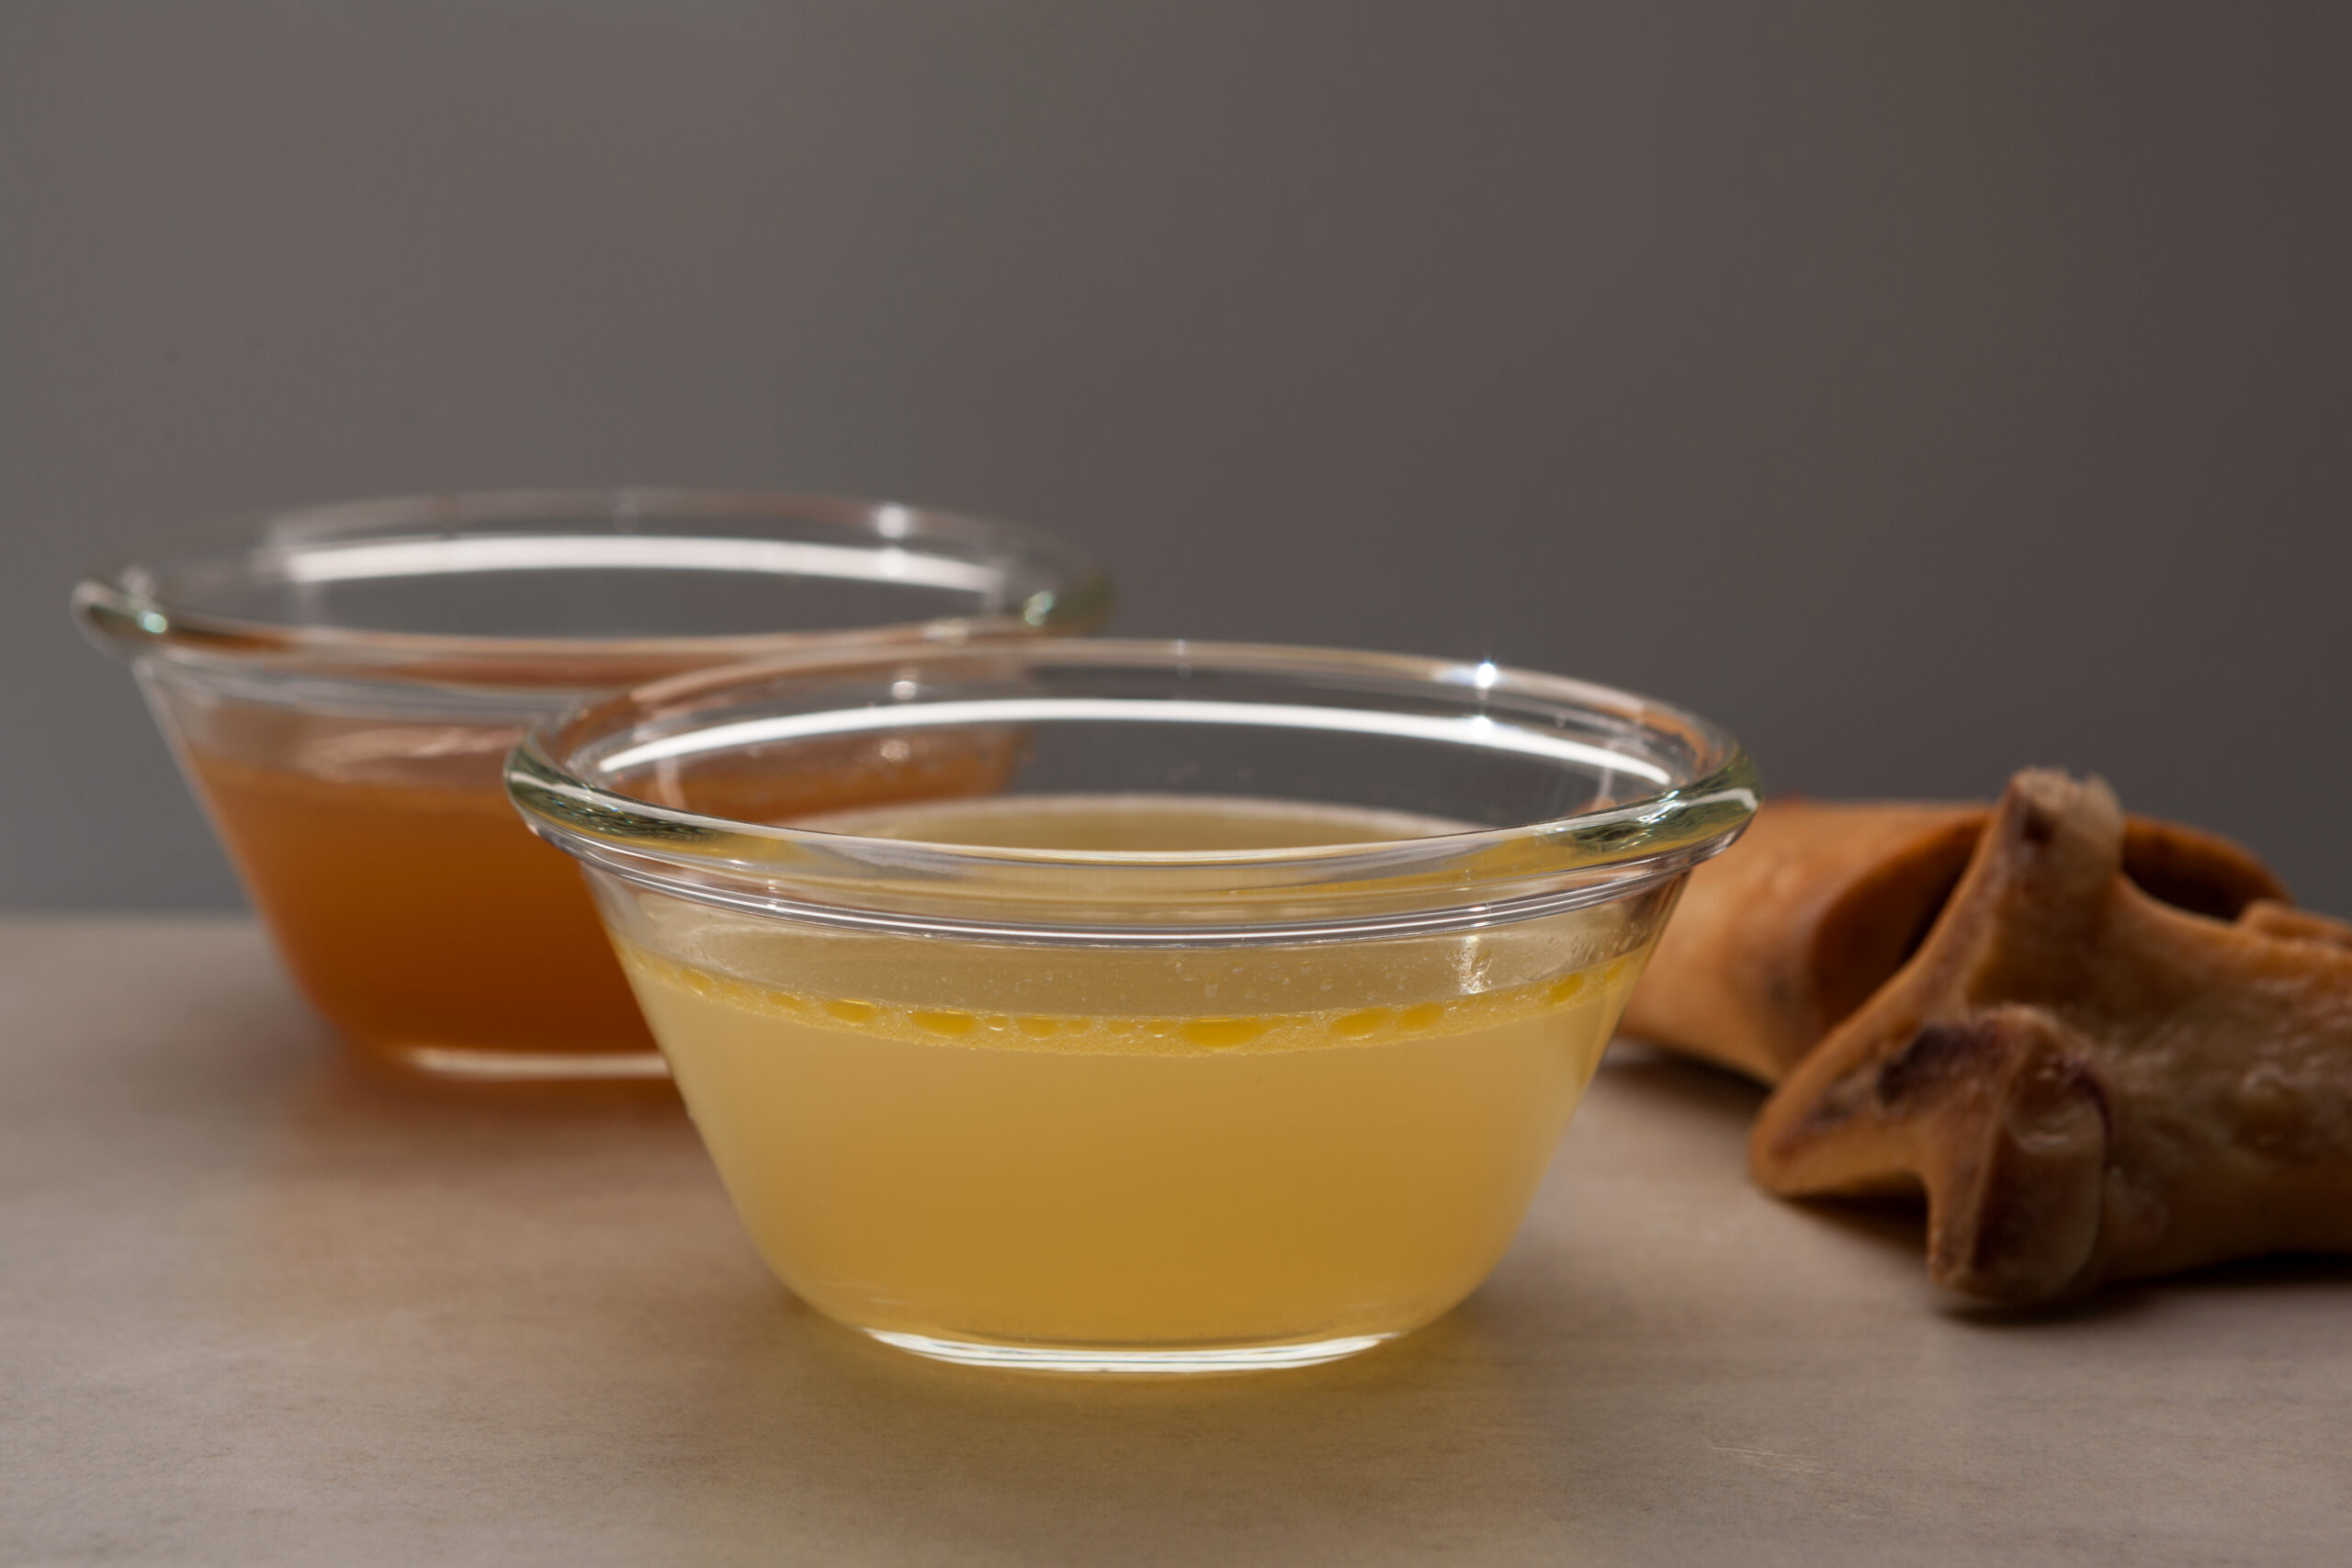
(341, 685)
(1194, 1008)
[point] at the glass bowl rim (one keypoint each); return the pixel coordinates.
(1582, 858)
(127, 610)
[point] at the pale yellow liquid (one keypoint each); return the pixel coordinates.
(1125, 1164)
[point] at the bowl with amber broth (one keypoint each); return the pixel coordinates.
(341, 685)
(1231, 1023)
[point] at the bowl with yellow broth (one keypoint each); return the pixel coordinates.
(1229, 1020)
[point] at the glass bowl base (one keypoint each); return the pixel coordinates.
(1126, 1361)
(455, 1064)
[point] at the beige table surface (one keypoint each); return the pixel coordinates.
(257, 1307)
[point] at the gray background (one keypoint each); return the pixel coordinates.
(1924, 391)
